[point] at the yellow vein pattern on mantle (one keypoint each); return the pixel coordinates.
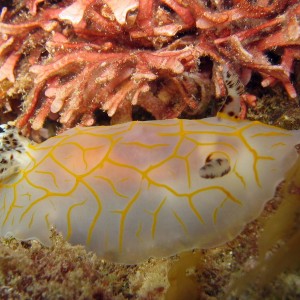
(142, 189)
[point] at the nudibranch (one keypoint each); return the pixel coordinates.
(142, 189)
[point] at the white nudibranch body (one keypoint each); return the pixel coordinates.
(142, 189)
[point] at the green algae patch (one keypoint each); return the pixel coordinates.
(182, 276)
(279, 241)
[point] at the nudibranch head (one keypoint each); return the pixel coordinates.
(142, 189)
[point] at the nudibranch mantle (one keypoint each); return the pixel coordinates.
(143, 189)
